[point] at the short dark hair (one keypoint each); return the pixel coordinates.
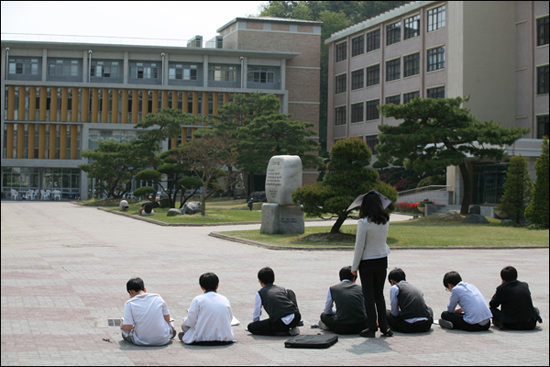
(266, 275)
(509, 273)
(135, 284)
(372, 208)
(209, 281)
(451, 277)
(397, 275)
(345, 273)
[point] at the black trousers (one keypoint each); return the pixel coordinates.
(268, 327)
(458, 322)
(372, 283)
(521, 325)
(398, 323)
(332, 322)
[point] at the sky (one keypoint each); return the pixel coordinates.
(180, 20)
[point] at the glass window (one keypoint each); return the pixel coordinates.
(373, 40)
(358, 45)
(542, 126)
(412, 27)
(372, 110)
(259, 74)
(105, 69)
(183, 72)
(144, 70)
(393, 99)
(393, 33)
(436, 18)
(542, 80)
(542, 31)
(357, 79)
(393, 70)
(340, 115)
(27, 66)
(341, 83)
(372, 141)
(222, 73)
(408, 96)
(341, 51)
(438, 92)
(357, 112)
(412, 64)
(63, 67)
(436, 58)
(373, 75)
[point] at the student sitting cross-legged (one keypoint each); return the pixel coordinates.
(280, 305)
(516, 306)
(349, 316)
(409, 313)
(146, 317)
(473, 314)
(209, 319)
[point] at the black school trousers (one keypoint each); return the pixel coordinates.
(373, 276)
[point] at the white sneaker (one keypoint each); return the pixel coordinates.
(294, 331)
(323, 326)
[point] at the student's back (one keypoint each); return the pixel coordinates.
(276, 301)
(350, 307)
(146, 312)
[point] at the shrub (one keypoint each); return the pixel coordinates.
(517, 189)
(424, 202)
(143, 191)
(407, 207)
(537, 211)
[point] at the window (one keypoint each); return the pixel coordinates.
(393, 33)
(222, 73)
(357, 112)
(393, 70)
(63, 67)
(357, 45)
(105, 69)
(438, 92)
(436, 18)
(357, 79)
(542, 31)
(412, 64)
(372, 110)
(393, 99)
(340, 115)
(373, 75)
(373, 40)
(183, 72)
(408, 96)
(542, 126)
(412, 27)
(259, 74)
(341, 51)
(341, 83)
(372, 141)
(542, 80)
(144, 70)
(436, 58)
(25, 66)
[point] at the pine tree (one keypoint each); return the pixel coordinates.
(537, 211)
(517, 189)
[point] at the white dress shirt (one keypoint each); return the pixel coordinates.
(472, 302)
(209, 319)
(394, 291)
(258, 311)
(146, 312)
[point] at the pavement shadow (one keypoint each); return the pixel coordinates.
(124, 345)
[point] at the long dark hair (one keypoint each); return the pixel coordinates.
(372, 208)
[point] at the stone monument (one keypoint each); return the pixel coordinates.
(280, 215)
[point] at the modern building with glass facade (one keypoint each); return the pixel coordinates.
(61, 98)
(496, 52)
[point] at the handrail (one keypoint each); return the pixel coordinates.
(425, 188)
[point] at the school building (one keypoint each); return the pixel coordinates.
(494, 51)
(60, 98)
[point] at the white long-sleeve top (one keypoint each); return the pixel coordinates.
(370, 242)
(471, 301)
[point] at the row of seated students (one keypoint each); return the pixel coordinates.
(147, 319)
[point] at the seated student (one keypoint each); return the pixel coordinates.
(146, 317)
(409, 313)
(349, 316)
(209, 320)
(474, 315)
(280, 305)
(146, 210)
(517, 311)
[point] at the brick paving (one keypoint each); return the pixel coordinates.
(64, 270)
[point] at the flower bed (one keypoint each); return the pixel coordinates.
(407, 207)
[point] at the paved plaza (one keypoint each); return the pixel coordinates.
(65, 268)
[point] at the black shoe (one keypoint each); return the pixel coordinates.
(180, 335)
(539, 319)
(368, 333)
(387, 333)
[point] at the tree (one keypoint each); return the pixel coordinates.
(114, 165)
(347, 177)
(537, 211)
(517, 189)
(206, 158)
(437, 133)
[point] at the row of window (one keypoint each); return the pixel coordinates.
(411, 66)
(357, 109)
(436, 20)
(66, 180)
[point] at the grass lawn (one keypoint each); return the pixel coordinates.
(441, 231)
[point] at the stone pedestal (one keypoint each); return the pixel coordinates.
(278, 219)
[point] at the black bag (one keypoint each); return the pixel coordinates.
(311, 341)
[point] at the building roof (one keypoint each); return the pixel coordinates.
(270, 20)
(377, 19)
